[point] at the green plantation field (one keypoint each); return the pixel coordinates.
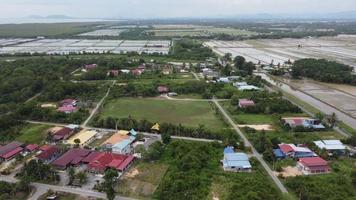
(188, 113)
(48, 30)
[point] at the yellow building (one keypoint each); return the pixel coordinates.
(84, 136)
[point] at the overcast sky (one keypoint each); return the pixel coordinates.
(168, 8)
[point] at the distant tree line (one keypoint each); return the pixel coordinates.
(323, 70)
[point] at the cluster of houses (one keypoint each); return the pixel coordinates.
(116, 150)
(308, 161)
(243, 86)
(235, 161)
(15, 148)
(68, 106)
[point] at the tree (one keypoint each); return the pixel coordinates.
(239, 61)
(82, 176)
(109, 179)
(77, 142)
(227, 57)
(166, 137)
(71, 174)
(332, 119)
(353, 177)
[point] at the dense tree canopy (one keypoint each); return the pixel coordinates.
(323, 70)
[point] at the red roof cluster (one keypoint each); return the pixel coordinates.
(97, 161)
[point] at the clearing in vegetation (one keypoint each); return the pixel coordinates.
(187, 113)
(142, 180)
(33, 133)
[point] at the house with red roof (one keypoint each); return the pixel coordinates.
(68, 102)
(244, 103)
(67, 109)
(113, 73)
(72, 157)
(90, 67)
(305, 122)
(31, 148)
(137, 72)
(9, 151)
(162, 89)
(106, 160)
(313, 165)
(62, 134)
(293, 151)
(48, 153)
(11, 154)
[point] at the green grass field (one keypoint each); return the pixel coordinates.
(187, 113)
(33, 133)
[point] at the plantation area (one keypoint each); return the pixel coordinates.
(187, 113)
(194, 172)
(48, 30)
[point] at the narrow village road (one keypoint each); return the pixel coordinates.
(43, 188)
(98, 106)
(254, 151)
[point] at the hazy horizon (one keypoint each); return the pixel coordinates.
(172, 9)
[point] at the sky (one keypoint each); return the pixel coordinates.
(168, 8)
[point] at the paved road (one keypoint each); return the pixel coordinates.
(43, 188)
(254, 151)
(98, 106)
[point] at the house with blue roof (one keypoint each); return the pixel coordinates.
(124, 146)
(235, 162)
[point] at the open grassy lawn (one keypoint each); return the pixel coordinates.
(33, 134)
(142, 180)
(187, 113)
(253, 119)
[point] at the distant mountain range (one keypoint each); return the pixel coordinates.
(347, 15)
(50, 17)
